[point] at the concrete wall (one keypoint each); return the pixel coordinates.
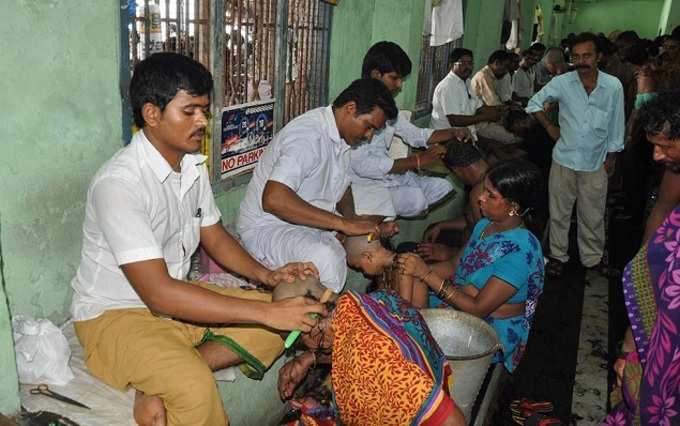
(358, 24)
(61, 120)
(670, 16)
(608, 15)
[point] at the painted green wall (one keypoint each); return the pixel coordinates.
(61, 120)
(670, 16)
(608, 15)
(483, 19)
(358, 24)
(9, 399)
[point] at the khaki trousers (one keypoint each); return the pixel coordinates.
(158, 356)
(589, 191)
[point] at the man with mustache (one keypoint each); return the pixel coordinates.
(591, 130)
(140, 322)
(299, 196)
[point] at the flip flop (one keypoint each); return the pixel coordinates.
(541, 420)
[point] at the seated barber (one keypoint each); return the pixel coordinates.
(147, 210)
(385, 366)
(290, 211)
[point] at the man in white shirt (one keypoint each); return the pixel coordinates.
(371, 166)
(455, 105)
(147, 210)
(290, 210)
(505, 83)
(523, 79)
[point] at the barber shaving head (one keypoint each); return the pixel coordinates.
(370, 257)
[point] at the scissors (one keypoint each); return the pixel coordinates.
(45, 390)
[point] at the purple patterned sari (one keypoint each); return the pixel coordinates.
(651, 287)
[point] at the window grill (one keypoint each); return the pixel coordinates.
(434, 65)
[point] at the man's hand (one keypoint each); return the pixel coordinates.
(610, 163)
(435, 252)
(292, 373)
(293, 314)
(290, 272)
(432, 233)
(553, 131)
(389, 229)
(490, 113)
(412, 264)
(432, 154)
(359, 226)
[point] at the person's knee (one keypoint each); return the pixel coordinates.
(193, 398)
(412, 204)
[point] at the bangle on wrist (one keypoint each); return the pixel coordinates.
(425, 276)
(441, 286)
(418, 161)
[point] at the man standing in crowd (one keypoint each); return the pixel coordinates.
(290, 210)
(523, 79)
(591, 118)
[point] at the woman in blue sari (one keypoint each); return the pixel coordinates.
(499, 275)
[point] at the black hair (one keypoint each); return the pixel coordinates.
(158, 78)
(515, 115)
(586, 37)
(636, 54)
(461, 154)
(458, 53)
(385, 57)
(498, 56)
(629, 37)
(520, 182)
(662, 110)
(368, 93)
(538, 46)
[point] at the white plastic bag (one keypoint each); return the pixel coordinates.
(42, 352)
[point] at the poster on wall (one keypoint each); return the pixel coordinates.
(247, 129)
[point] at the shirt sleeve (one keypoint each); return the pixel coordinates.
(411, 134)
(617, 127)
(298, 157)
(210, 213)
(453, 99)
(485, 89)
(124, 222)
(369, 163)
(549, 93)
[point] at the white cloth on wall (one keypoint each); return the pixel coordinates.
(447, 22)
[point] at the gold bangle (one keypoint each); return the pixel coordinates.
(441, 287)
(418, 161)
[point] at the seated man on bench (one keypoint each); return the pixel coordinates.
(385, 366)
(140, 322)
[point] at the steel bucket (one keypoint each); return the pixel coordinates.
(469, 344)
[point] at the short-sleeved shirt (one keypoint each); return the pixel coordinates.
(308, 156)
(590, 125)
(523, 82)
(139, 209)
(484, 84)
(371, 161)
(453, 96)
(504, 86)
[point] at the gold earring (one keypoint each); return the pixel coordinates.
(512, 212)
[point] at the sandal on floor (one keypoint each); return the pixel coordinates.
(554, 268)
(541, 420)
(526, 407)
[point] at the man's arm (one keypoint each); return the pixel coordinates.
(483, 114)
(281, 201)
(181, 300)
(617, 127)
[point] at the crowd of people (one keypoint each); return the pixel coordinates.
(529, 135)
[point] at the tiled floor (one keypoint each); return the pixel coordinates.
(589, 397)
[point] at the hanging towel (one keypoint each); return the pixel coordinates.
(447, 22)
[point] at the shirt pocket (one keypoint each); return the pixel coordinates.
(192, 235)
(598, 123)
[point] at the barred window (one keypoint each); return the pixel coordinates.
(434, 65)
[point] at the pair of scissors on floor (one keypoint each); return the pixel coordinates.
(45, 390)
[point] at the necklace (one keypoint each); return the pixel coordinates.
(483, 234)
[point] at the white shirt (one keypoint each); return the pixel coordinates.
(308, 156)
(523, 82)
(504, 87)
(139, 209)
(453, 96)
(370, 162)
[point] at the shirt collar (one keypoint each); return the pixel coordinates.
(332, 129)
(159, 165)
(575, 79)
(489, 72)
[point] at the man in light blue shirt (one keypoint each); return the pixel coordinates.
(590, 132)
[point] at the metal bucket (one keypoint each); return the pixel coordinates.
(469, 344)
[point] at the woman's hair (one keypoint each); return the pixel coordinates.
(520, 182)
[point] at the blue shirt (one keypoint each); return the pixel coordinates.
(590, 126)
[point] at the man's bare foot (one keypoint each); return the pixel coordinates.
(148, 410)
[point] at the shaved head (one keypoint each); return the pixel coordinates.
(354, 246)
(310, 287)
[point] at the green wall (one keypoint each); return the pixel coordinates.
(358, 24)
(61, 120)
(483, 19)
(608, 15)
